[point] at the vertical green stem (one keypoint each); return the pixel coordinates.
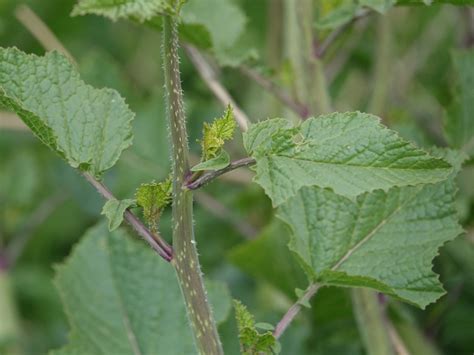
(9, 328)
(185, 258)
(381, 74)
(310, 82)
(371, 322)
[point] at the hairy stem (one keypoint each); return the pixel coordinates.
(207, 177)
(371, 324)
(294, 310)
(185, 254)
(154, 240)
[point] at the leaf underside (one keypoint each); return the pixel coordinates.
(383, 240)
(351, 153)
(88, 127)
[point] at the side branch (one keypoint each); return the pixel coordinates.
(211, 175)
(294, 310)
(220, 92)
(154, 240)
(284, 97)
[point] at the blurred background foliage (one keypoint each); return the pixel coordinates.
(398, 66)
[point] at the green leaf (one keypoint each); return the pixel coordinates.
(252, 342)
(219, 24)
(86, 126)
(139, 10)
(383, 240)
(350, 152)
(459, 122)
(219, 162)
(215, 134)
(153, 197)
(114, 210)
(120, 298)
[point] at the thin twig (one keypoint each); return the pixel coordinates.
(221, 211)
(40, 31)
(321, 50)
(396, 340)
(154, 240)
(283, 96)
(220, 92)
(37, 217)
(211, 175)
(294, 310)
(12, 122)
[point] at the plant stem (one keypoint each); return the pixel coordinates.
(371, 323)
(205, 178)
(186, 259)
(154, 240)
(310, 82)
(284, 97)
(321, 49)
(381, 76)
(220, 92)
(294, 310)
(37, 217)
(9, 327)
(40, 30)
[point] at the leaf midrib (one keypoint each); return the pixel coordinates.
(372, 233)
(356, 165)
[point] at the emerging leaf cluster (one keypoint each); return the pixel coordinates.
(215, 134)
(251, 341)
(153, 198)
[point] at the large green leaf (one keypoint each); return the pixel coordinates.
(351, 153)
(383, 240)
(459, 123)
(140, 10)
(121, 298)
(88, 127)
(223, 20)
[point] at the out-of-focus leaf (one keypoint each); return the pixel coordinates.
(268, 258)
(218, 22)
(121, 298)
(350, 153)
(88, 127)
